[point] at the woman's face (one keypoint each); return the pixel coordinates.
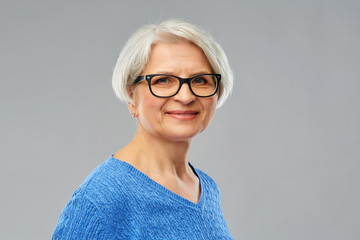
(184, 115)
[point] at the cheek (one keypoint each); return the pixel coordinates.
(150, 108)
(210, 108)
(212, 104)
(144, 101)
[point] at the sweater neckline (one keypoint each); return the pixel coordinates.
(163, 189)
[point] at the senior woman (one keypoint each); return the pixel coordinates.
(173, 76)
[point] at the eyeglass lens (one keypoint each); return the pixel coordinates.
(202, 85)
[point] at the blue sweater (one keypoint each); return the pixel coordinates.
(117, 201)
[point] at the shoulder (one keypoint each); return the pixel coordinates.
(92, 207)
(81, 219)
(107, 182)
(103, 192)
(207, 182)
(203, 176)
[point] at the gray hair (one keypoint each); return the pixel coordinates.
(136, 51)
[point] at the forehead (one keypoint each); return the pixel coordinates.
(180, 56)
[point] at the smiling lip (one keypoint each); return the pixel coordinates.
(183, 115)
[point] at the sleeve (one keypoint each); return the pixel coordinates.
(80, 219)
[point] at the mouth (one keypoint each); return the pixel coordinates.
(183, 115)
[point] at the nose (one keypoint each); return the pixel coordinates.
(185, 95)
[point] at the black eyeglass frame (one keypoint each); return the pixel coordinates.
(181, 80)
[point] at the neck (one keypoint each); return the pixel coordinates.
(155, 155)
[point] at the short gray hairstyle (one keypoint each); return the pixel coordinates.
(136, 52)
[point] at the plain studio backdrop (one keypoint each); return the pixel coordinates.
(284, 149)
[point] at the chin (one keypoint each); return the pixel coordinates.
(183, 134)
(180, 138)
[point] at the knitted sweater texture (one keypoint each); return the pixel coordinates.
(117, 201)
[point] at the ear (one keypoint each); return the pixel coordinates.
(132, 106)
(130, 91)
(132, 109)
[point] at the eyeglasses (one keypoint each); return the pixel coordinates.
(165, 85)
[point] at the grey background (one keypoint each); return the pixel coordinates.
(284, 149)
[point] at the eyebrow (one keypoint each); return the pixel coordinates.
(194, 74)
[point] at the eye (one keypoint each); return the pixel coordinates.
(200, 80)
(161, 80)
